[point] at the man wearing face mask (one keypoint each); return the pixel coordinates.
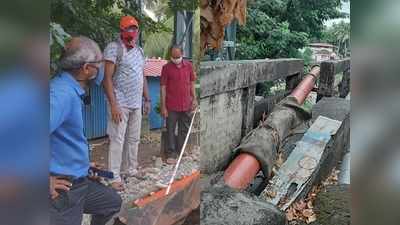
(72, 191)
(126, 90)
(178, 99)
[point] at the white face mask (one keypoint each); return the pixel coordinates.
(176, 61)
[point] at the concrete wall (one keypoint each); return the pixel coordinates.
(227, 103)
(221, 128)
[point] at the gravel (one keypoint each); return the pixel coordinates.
(158, 176)
(152, 179)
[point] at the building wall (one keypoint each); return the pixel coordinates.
(155, 120)
(321, 53)
(95, 114)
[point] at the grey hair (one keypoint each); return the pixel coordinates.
(83, 51)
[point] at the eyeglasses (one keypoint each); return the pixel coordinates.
(96, 67)
(93, 64)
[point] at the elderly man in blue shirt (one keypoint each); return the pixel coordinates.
(73, 192)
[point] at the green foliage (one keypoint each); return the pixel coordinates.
(178, 5)
(339, 35)
(309, 16)
(266, 88)
(95, 19)
(196, 41)
(156, 44)
(58, 37)
(167, 8)
(157, 108)
(278, 28)
(148, 25)
(99, 19)
(306, 55)
(265, 37)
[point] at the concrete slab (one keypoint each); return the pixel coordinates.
(299, 169)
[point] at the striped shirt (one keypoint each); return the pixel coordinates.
(128, 77)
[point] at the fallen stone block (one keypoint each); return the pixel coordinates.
(300, 170)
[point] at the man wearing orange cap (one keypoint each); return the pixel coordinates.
(126, 90)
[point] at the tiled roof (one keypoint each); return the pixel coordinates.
(153, 67)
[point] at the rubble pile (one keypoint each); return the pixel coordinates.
(152, 179)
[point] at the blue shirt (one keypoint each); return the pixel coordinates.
(69, 153)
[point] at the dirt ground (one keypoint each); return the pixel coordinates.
(150, 146)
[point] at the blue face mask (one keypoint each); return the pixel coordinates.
(100, 75)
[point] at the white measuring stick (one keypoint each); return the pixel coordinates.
(180, 155)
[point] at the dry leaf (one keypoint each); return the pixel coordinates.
(271, 194)
(215, 16)
(302, 210)
(310, 205)
(280, 160)
(301, 205)
(307, 213)
(311, 219)
(290, 215)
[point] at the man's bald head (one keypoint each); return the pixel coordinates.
(176, 51)
(78, 51)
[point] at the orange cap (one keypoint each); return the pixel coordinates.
(128, 21)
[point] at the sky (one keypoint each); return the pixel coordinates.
(150, 13)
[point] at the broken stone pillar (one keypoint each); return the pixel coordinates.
(296, 176)
(314, 157)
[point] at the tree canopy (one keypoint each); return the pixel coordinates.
(99, 20)
(278, 28)
(339, 35)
